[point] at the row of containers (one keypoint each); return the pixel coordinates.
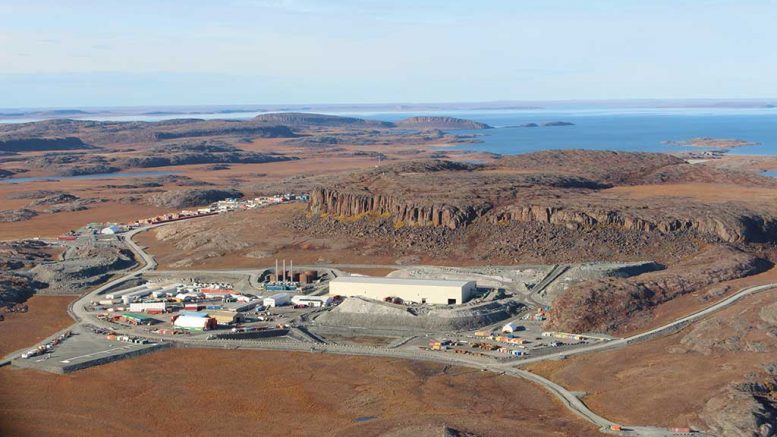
(444, 345)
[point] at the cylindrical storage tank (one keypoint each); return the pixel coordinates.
(308, 277)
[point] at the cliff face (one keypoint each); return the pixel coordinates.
(339, 203)
(728, 227)
(727, 224)
(577, 190)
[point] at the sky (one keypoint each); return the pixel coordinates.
(82, 53)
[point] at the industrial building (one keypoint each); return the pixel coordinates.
(149, 307)
(195, 321)
(276, 300)
(311, 301)
(442, 292)
(138, 319)
(225, 317)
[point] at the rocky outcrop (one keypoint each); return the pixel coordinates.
(609, 304)
(16, 288)
(437, 122)
(737, 412)
(560, 188)
(191, 197)
(16, 215)
(39, 144)
(55, 199)
(253, 131)
(336, 203)
(302, 119)
(82, 267)
(616, 168)
(103, 133)
(203, 152)
(729, 228)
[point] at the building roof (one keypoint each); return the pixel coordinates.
(399, 281)
(137, 316)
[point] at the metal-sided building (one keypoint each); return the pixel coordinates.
(435, 291)
(277, 300)
(226, 317)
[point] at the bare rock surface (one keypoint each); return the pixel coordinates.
(16, 215)
(191, 197)
(437, 122)
(564, 188)
(82, 267)
(609, 304)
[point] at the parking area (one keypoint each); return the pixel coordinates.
(86, 348)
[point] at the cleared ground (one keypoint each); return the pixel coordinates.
(209, 392)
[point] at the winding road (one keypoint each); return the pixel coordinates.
(568, 399)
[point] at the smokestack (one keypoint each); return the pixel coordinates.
(291, 270)
(284, 270)
(276, 269)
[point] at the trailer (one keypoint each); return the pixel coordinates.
(145, 307)
(135, 295)
(118, 293)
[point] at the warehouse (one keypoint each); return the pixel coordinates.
(195, 321)
(311, 301)
(226, 317)
(276, 300)
(138, 319)
(413, 290)
(149, 307)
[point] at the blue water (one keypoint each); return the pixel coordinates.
(770, 173)
(612, 129)
(128, 174)
(624, 129)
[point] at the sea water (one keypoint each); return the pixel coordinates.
(631, 130)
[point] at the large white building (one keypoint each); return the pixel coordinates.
(414, 290)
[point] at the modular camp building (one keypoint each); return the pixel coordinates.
(148, 307)
(435, 291)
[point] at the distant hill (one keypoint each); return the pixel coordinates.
(435, 122)
(303, 119)
(39, 144)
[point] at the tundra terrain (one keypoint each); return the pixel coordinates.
(388, 194)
